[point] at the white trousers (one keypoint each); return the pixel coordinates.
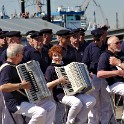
(6, 117)
(79, 107)
(100, 112)
(117, 88)
(41, 113)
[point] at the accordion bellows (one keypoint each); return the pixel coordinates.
(32, 73)
(78, 78)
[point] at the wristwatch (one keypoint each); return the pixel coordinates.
(20, 86)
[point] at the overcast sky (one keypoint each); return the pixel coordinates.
(109, 8)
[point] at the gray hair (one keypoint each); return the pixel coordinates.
(14, 49)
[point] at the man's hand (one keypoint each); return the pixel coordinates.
(114, 61)
(62, 80)
(26, 85)
(120, 73)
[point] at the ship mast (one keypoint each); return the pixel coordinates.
(117, 24)
(48, 11)
(22, 6)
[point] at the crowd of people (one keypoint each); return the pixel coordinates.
(25, 15)
(104, 60)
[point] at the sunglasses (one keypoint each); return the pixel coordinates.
(118, 43)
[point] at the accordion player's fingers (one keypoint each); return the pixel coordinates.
(63, 80)
(26, 85)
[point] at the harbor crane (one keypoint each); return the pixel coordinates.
(105, 20)
(27, 3)
(84, 5)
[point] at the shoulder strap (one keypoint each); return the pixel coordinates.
(3, 65)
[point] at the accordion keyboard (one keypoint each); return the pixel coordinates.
(66, 85)
(32, 73)
(28, 76)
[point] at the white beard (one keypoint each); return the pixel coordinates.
(118, 50)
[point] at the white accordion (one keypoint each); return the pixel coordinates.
(32, 73)
(77, 75)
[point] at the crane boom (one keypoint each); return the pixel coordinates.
(84, 5)
(105, 20)
(95, 3)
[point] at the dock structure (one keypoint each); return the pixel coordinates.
(25, 25)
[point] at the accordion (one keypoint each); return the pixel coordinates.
(32, 73)
(78, 78)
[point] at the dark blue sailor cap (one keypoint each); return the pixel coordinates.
(97, 33)
(63, 32)
(81, 31)
(13, 34)
(73, 31)
(105, 27)
(30, 32)
(3, 34)
(78, 30)
(46, 30)
(36, 34)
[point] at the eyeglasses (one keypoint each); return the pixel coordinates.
(118, 42)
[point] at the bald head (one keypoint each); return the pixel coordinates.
(112, 39)
(114, 44)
